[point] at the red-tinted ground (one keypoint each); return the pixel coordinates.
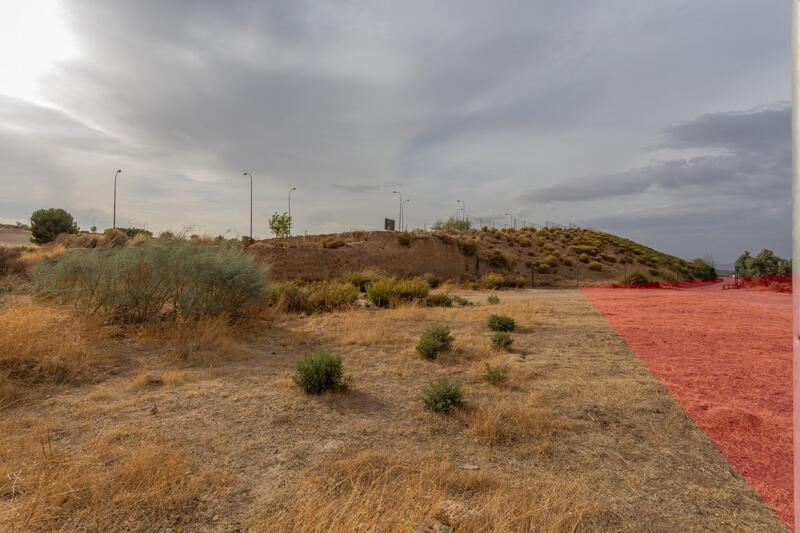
(726, 356)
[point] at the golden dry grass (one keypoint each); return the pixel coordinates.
(44, 345)
(122, 480)
(373, 491)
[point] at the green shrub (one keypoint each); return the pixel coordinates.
(156, 278)
(636, 278)
(551, 261)
(439, 300)
(654, 272)
(387, 292)
(583, 258)
(543, 269)
(330, 295)
(497, 260)
(432, 279)
(501, 323)
(608, 257)
(493, 299)
(492, 280)
(320, 372)
(468, 247)
(459, 300)
(502, 340)
(595, 266)
(133, 232)
(495, 375)
(361, 280)
(566, 261)
(583, 249)
(434, 340)
(442, 396)
(47, 224)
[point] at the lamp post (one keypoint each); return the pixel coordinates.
(400, 214)
(290, 200)
(251, 203)
(114, 223)
(404, 213)
(463, 208)
(509, 215)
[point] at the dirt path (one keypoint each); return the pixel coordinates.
(607, 434)
(726, 356)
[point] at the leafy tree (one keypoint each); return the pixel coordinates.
(704, 269)
(744, 264)
(47, 224)
(280, 224)
(452, 224)
(766, 263)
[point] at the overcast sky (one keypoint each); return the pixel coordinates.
(667, 122)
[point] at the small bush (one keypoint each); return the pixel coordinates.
(519, 281)
(636, 278)
(320, 372)
(497, 260)
(468, 247)
(442, 396)
(432, 279)
(386, 292)
(361, 280)
(492, 280)
(543, 269)
(583, 249)
(501, 323)
(439, 300)
(460, 300)
(495, 375)
(566, 261)
(502, 340)
(325, 296)
(655, 272)
(583, 258)
(595, 266)
(493, 299)
(608, 257)
(434, 340)
(551, 261)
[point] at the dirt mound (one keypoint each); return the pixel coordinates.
(544, 257)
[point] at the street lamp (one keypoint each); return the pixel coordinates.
(290, 200)
(114, 223)
(400, 215)
(251, 203)
(464, 209)
(404, 212)
(509, 215)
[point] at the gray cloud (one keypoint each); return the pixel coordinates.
(447, 100)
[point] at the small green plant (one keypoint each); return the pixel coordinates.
(495, 375)
(493, 299)
(280, 224)
(468, 247)
(636, 278)
(386, 292)
(460, 300)
(439, 300)
(320, 372)
(501, 340)
(442, 396)
(501, 323)
(595, 266)
(492, 280)
(432, 279)
(434, 340)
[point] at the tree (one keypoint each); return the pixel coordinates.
(704, 269)
(47, 224)
(451, 224)
(766, 263)
(281, 224)
(744, 264)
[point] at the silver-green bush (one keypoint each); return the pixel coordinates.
(156, 278)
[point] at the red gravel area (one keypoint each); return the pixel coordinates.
(726, 356)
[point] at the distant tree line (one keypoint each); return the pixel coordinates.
(766, 263)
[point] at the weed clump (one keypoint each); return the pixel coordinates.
(502, 340)
(501, 323)
(434, 340)
(595, 266)
(495, 375)
(439, 300)
(442, 396)
(320, 372)
(493, 299)
(492, 280)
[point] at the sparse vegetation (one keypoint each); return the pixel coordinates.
(320, 372)
(495, 375)
(439, 300)
(595, 266)
(501, 323)
(280, 224)
(434, 340)
(493, 299)
(451, 224)
(492, 280)
(636, 278)
(442, 396)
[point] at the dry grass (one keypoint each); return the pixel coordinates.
(122, 480)
(377, 492)
(45, 345)
(48, 251)
(206, 341)
(504, 420)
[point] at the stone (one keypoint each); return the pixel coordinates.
(154, 377)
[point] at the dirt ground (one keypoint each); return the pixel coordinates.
(726, 356)
(582, 437)
(10, 236)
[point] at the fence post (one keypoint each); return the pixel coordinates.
(578, 275)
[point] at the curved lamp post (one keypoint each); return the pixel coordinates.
(290, 200)
(509, 215)
(114, 223)
(251, 202)
(404, 213)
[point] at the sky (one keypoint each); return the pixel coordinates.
(666, 122)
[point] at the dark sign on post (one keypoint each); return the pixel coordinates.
(388, 224)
